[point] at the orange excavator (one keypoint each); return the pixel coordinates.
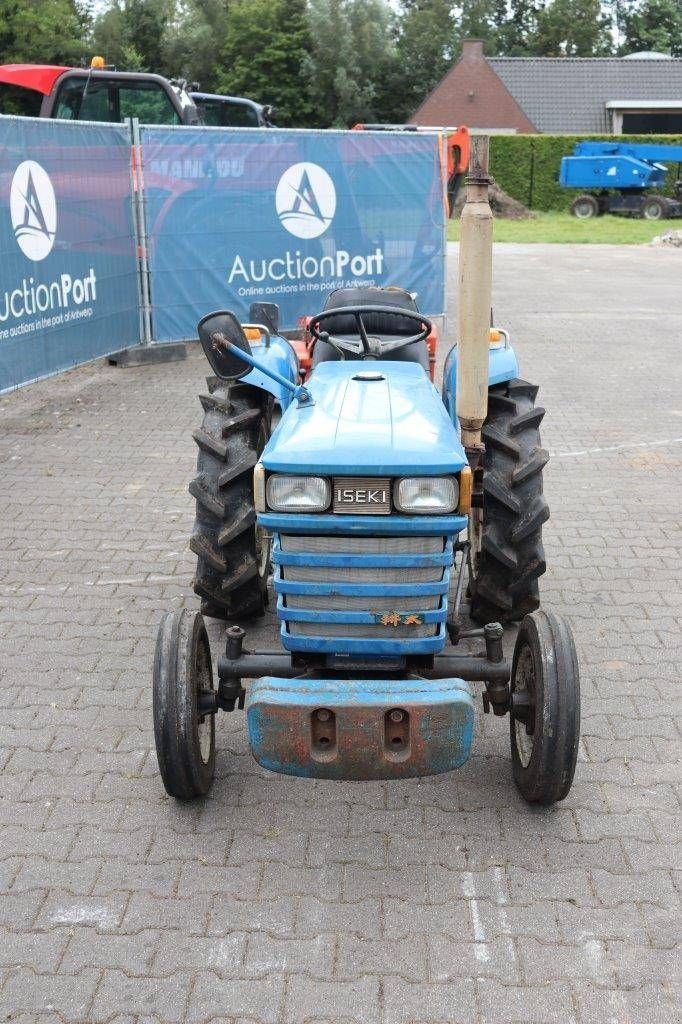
(455, 158)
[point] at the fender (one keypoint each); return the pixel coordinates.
(503, 366)
(279, 356)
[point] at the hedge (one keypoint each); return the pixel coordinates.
(527, 166)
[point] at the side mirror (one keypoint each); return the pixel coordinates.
(217, 331)
(265, 313)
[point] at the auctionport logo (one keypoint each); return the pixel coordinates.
(33, 208)
(305, 200)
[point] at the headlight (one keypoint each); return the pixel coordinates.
(298, 493)
(426, 495)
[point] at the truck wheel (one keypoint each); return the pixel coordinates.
(585, 206)
(545, 716)
(507, 555)
(653, 208)
(185, 739)
(233, 553)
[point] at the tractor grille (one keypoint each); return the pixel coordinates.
(360, 588)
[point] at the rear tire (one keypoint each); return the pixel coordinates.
(185, 740)
(546, 728)
(233, 553)
(508, 556)
(585, 206)
(653, 208)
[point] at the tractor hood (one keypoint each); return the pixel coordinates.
(375, 418)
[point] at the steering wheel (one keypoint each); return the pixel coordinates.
(368, 350)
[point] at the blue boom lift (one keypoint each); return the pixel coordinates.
(617, 176)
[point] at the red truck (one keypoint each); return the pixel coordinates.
(104, 94)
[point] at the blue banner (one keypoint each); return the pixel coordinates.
(68, 263)
(236, 216)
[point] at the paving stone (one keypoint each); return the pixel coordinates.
(132, 954)
(652, 887)
(26, 949)
(104, 913)
(363, 850)
(39, 873)
(572, 883)
(200, 878)
(267, 954)
(360, 882)
(118, 875)
(189, 914)
(361, 920)
(228, 914)
(118, 993)
(405, 917)
(485, 958)
(287, 848)
(663, 924)
(213, 998)
(650, 1004)
(541, 1004)
(581, 924)
(68, 997)
(280, 879)
(337, 1001)
(404, 1001)
(285, 900)
(590, 959)
(223, 954)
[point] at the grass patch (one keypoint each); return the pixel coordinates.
(562, 227)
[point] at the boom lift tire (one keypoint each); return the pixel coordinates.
(233, 554)
(653, 208)
(545, 714)
(507, 555)
(585, 206)
(185, 739)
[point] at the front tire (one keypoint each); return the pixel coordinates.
(185, 739)
(507, 554)
(585, 206)
(545, 715)
(233, 553)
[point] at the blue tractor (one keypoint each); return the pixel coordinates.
(370, 504)
(618, 176)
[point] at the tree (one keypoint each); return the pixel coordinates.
(132, 34)
(572, 28)
(194, 39)
(516, 29)
(45, 31)
(652, 25)
(350, 60)
(263, 56)
(425, 50)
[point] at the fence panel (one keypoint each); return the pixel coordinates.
(238, 215)
(68, 262)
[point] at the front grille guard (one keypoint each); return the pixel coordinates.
(407, 636)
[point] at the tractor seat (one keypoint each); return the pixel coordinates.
(389, 325)
(382, 326)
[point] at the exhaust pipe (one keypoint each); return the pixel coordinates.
(475, 298)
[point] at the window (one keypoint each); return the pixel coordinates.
(652, 123)
(223, 113)
(15, 99)
(83, 98)
(148, 101)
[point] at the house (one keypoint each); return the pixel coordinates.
(638, 94)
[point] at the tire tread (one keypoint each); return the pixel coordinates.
(512, 556)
